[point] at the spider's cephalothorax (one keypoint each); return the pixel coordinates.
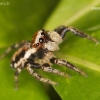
(38, 53)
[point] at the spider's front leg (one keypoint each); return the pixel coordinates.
(67, 64)
(37, 76)
(62, 30)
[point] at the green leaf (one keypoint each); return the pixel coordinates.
(20, 19)
(81, 52)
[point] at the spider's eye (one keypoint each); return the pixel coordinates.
(42, 34)
(41, 40)
(37, 44)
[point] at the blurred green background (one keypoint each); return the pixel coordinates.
(20, 19)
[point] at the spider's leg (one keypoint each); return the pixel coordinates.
(47, 68)
(62, 30)
(17, 45)
(67, 64)
(30, 70)
(18, 71)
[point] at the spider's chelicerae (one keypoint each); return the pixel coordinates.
(39, 53)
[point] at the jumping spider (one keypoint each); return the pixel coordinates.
(38, 53)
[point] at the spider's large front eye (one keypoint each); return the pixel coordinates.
(41, 40)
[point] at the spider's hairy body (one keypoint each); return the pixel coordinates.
(39, 53)
(20, 55)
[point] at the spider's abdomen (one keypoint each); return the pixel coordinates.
(20, 56)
